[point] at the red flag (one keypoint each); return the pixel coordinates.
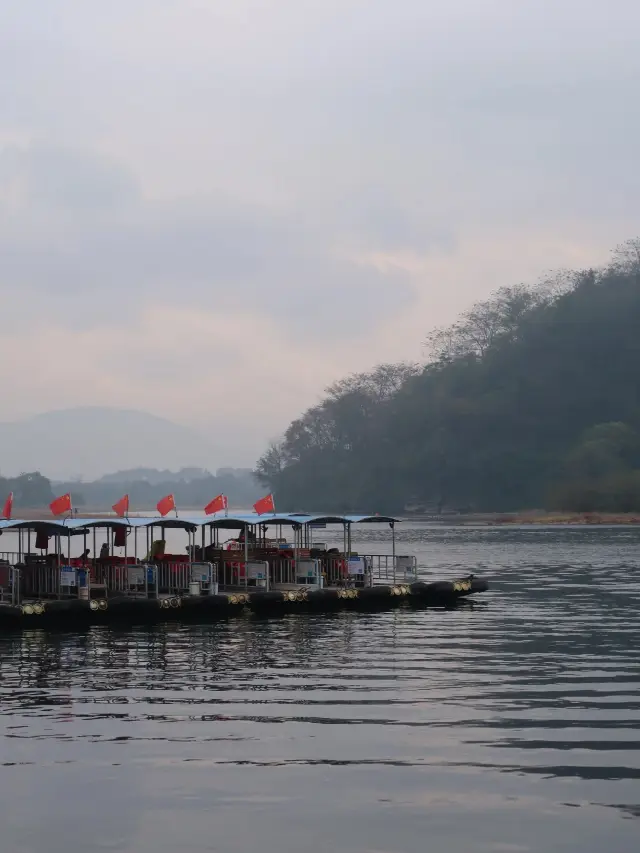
(166, 504)
(61, 505)
(216, 505)
(121, 508)
(265, 504)
(8, 506)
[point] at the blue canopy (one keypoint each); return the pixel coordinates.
(240, 520)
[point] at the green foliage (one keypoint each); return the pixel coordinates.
(240, 487)
(29, 490)
(530, 399)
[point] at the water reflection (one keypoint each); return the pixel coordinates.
(348, 732)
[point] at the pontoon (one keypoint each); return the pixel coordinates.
(57, 570)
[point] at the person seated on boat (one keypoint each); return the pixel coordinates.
(211, 553)
(84, 557)
(157, 550)
(251, 536)
(104, 551)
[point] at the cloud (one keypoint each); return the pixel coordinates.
(60, 180)
(103, 248)
(237, 376)
(273, 193)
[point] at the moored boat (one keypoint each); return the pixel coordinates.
(54, 577)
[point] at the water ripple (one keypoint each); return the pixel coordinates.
(490, 724)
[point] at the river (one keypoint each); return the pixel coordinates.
(509, 725)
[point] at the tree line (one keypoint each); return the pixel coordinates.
(191, 490)
(529, 400)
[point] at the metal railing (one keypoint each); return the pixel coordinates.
(9, 584)
(368, 570)
(153, 579)
(362, 570)
(142, 580)
(386, 569)
(41, 580)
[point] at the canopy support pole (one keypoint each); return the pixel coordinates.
(69, 554)
(246, 556)
(344, 552)
(392, 524)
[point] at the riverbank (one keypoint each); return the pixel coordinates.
(530, 518)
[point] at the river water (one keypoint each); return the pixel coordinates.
(510, 725)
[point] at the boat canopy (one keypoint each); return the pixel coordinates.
(168, 523)
(50, 528)
(72, 526)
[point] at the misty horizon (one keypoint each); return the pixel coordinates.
(88, 443)
(210, 213)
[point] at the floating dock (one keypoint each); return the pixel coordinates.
(253, 574)
(78, 613)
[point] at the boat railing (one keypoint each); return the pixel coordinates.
(231, 573)
(43, 580)
(153, 579)
(368, 569)
(283, 572)
(175, 578)
(39, 580)
(9, 583)
(11, 557)
(330, 570)
(185, 577)
(386, 568)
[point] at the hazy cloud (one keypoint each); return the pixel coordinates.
(206, 203)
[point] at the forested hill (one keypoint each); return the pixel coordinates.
(530, 400)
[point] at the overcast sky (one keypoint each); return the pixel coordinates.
(211, 209)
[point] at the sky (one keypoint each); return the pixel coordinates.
(212, 209)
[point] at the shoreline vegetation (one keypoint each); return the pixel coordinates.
(540, 519)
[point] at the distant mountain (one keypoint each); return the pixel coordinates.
(184, 475)
(89, 442)
(153, 476)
